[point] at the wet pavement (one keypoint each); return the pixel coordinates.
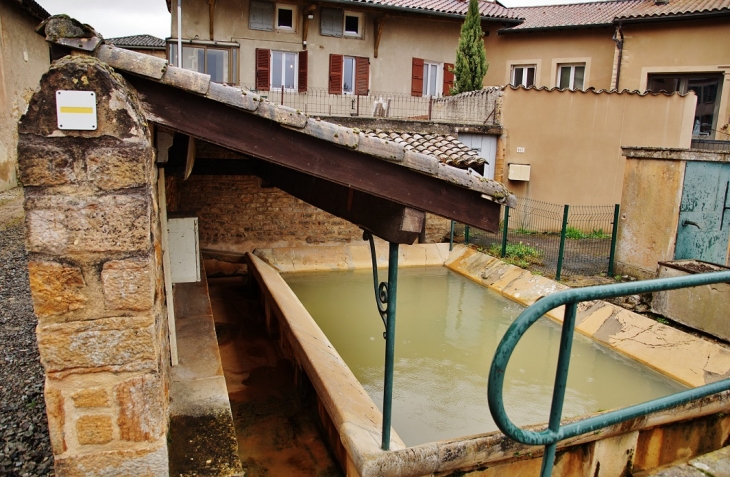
(275, 419)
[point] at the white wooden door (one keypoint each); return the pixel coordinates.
(486, 146)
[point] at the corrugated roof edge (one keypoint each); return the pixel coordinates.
(158, 69)
(32, 7)
(591, 89)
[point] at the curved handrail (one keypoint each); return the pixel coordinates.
(555, 432)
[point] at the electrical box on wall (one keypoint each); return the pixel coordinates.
(182, 237)
(519, 172)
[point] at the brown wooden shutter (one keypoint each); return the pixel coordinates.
(362, 75)
(448, 78)
(417, 77)
(335, 74)
(303, 67)
(263, 62)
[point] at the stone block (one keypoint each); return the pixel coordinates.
(91, 397)
(119, 168)
(95, 429)
(56, 418)
(186, 79)
(110, 223)
(421, 162)
(142, 409)
(388, 150)
(233, 96)
(127, 60)
(332, 133)
(145, 462)
(127, 285)
(282, 114)
(56, 288)
(46, 165)
(113, 344)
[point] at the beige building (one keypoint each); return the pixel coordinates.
(644, 45)
(23, 59)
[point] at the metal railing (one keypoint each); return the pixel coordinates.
(476, 107)
(553, 239)
(554, 431)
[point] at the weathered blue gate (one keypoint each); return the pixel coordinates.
(704, 215)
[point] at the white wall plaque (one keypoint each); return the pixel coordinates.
(76, 110)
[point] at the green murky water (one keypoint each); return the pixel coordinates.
(447, 330)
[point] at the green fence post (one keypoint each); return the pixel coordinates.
(505, 228)
(451, 240)
(614, 233)
(466, 234)
(562, 242)
(390, 344)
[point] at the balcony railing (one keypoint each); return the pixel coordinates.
(476, 107)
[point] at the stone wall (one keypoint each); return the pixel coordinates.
(93, 240)
(237, 214)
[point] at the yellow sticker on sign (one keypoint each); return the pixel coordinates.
(76, 109)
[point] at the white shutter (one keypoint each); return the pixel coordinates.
(331, 21)
(261, 16)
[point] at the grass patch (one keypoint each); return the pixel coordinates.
(518, 254)
(573, 233)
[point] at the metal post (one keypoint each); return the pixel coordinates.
(430, 106)
(466, 234)
(390, 344)
(505, 229)
(561, 250)
(614, 234)
(561, 377)
(282, 95)
(357, 113)
(451, 239)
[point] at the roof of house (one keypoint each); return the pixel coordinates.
(576, 15)
(448, 149)
(32, 7)
(147, 42)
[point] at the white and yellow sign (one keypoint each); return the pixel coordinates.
(76, 110)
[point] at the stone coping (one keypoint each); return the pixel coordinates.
(357, 419)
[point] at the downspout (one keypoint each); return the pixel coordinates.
(179, 33)
(211, 14)
(618, 38)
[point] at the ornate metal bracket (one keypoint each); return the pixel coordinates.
(381, 288)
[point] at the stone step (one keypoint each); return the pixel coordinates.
(715, 464)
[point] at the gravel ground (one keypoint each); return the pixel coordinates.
(25, 449)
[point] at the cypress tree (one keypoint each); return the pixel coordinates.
(471, 59)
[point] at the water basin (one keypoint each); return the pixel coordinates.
(447, 330)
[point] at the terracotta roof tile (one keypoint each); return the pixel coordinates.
(448, 149)
(649, 9)
(571, 15)
(455, 7)
(137, 41)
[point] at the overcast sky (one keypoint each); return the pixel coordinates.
(113, 18)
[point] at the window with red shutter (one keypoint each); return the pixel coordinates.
(417, 77)
(262, 69)
(448, 78)
(303, 67)
(362, 75)
(335, 84)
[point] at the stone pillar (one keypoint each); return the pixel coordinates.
(95, 263)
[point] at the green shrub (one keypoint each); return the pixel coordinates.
(518, 254)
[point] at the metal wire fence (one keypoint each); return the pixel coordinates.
(476, 107)
(552, 239)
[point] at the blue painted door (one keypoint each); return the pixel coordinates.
(704, 215)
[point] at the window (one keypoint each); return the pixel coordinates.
(281, 69)
(220, 62)
(268, 16)
(571, 76)
(430, 78)
(349, 75)
(705, 86)
(523, 75)
(337, 22)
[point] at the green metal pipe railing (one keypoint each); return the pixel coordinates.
(555, 432)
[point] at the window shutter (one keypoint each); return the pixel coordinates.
(303, 67)
(362, 75)
(417, 77)
(335, 74)
(261, 16)
(263, 62)
(448, 78)
(331, 21)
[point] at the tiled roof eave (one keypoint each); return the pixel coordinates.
(504, 31)
(424, 11)
(671, 16)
